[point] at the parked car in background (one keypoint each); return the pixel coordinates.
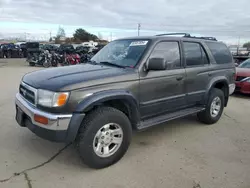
(82, 49)
(243, 52)
(23, 49)
(243, 77)
(33, 51)
(49, 47)
(10, 50)
(66, 48)
(1, 51)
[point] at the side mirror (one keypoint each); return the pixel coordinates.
(156, 64)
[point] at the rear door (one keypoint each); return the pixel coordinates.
(197, 69)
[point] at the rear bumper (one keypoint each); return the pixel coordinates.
(60, 128)
(231, 88)
(243, 87)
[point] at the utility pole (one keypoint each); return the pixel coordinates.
(138, 28)
(238, 46)
(111, 36)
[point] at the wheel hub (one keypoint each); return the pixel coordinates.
(215, 107)
(108, 140)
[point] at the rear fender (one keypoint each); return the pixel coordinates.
(213, 82)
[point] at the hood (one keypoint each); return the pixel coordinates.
(77, 76)
(243, 72)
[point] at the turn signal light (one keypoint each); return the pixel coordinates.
(41, 119)
(61, 99)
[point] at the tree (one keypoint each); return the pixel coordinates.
(61, 32)
(68, 40)
(57, 40)
(84, 36)
(246, 45)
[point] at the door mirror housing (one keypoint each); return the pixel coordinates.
(156, 64)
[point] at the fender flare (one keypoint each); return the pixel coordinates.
(98, 98)
(213, 82)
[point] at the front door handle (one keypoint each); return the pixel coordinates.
(179, 78)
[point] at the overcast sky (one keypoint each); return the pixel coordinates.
(225, 19)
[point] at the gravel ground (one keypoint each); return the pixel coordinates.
(180, 154)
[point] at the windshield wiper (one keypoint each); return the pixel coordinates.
(111, 64)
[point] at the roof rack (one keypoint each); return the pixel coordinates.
(184, 34)
(187, 35)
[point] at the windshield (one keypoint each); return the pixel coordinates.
(125, 53)
(245, 64)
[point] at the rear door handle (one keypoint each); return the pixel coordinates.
(179, 78)
(209, 74)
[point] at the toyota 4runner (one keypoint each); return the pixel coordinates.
(130, 85)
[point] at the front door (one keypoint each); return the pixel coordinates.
(163, 91)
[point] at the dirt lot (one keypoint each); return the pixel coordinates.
(181, 154)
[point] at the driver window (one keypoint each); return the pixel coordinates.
(170, 52)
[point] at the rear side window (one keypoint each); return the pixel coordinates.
(170, 52)
(220, 52)
(194, 54)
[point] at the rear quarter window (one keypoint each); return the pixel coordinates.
(220, 52)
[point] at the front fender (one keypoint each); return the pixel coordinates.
(100, 97)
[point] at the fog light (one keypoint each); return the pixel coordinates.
(41, 119)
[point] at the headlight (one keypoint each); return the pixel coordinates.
(248, 80)
(52, 99)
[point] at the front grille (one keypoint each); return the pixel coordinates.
(27, 94)
(239, 78)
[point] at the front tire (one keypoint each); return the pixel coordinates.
(104, 137)
(214, 107)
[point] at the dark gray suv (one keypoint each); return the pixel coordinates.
(130, 85)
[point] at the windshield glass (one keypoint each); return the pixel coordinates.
(124, 53)
(245, 64)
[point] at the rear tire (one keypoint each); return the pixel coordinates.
(95, 137)
(214, 107)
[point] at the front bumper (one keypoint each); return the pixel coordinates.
(60, 128)
(243, 87)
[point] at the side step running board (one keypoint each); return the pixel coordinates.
(167, 117)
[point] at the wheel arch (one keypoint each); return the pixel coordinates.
(122, 100)
(219, 83)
